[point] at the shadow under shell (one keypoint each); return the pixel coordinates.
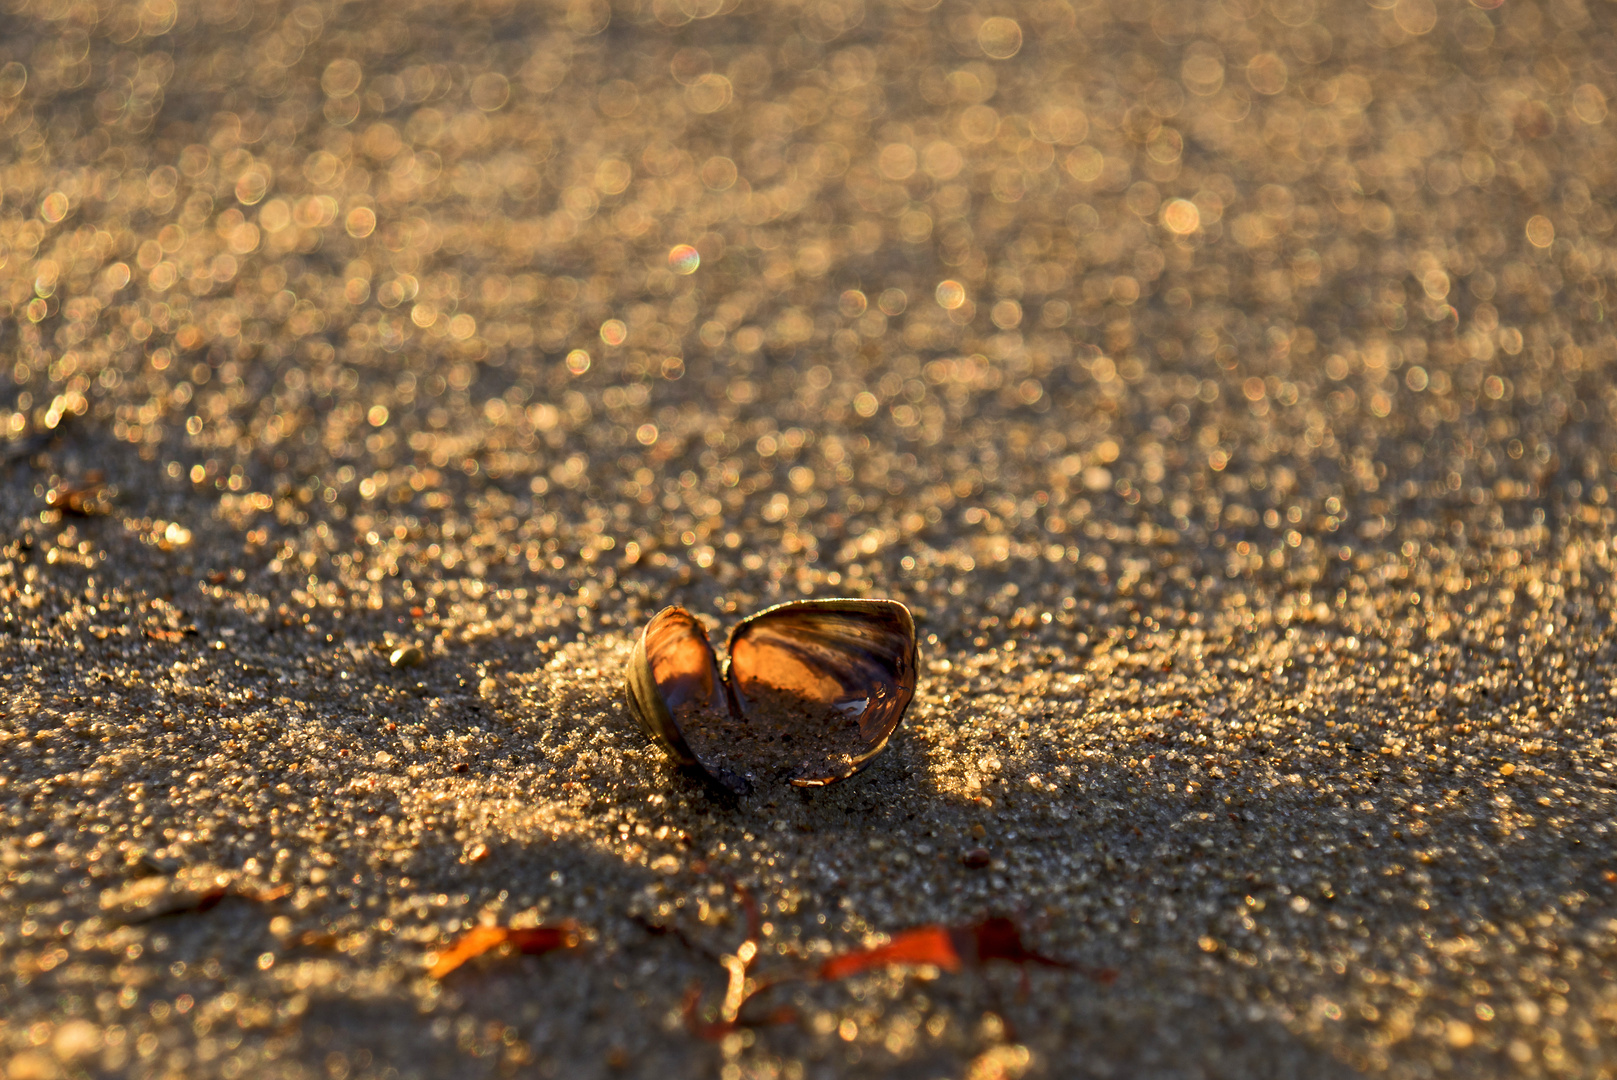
(783, 736)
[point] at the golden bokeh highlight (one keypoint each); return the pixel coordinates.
(1540, 231)
(684, 259)
(1000, 38)
(1181, 217)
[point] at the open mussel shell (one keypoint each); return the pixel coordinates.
(812, 691)
(853, 660)
(673, 667)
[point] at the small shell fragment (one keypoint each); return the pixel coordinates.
(812, 690)
(407, 656)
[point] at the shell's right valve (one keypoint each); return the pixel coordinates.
(811, 692)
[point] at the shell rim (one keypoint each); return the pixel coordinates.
(645, 698)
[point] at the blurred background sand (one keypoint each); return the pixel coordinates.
(1226, 386)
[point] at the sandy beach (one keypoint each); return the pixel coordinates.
(1226, 388)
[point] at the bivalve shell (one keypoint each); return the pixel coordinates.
(812, 690)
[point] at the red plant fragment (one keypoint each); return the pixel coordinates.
(204, 901)
(694, 1023)
(926, 945)
(481, 939)
(996, 938)
(716, 1030)
(741, 989)
(999, 939)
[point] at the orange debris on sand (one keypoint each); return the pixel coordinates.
(481, 939)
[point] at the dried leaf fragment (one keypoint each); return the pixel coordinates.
(998, 938)
(926, 945)
(533, 941)
(995, 938)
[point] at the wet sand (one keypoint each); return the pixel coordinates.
(1226, 388)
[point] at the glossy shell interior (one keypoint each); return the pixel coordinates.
(673, 665)
(838, 672)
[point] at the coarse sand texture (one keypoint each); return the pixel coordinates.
(1226, 387)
